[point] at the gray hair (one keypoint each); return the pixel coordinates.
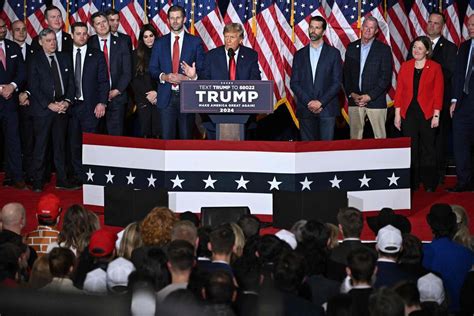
(234, 28)
(372, 19)
(46, 32)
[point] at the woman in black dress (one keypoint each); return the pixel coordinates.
(144, 88)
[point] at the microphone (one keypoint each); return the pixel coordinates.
(231, 53)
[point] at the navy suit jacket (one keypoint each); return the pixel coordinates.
(460, 77)
(95, 82)
(216, 67)
(41, 82)
(120, 61)
(66, 43)
(376, 76)
(327, 83)
(161, 62)
(14, 72)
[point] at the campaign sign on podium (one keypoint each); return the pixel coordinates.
(228, 103)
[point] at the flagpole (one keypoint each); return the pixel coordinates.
(254, 19)
(385, 9)
(113, 4)
(292, 20)
(359, 9)
(24, 11)
(192, 17)
(67, 16)
(145, 8)
(440, 5)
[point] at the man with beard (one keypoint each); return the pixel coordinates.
(316, 82)
(175, 57)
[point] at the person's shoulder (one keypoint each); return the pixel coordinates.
(447, 43)
(216, 51)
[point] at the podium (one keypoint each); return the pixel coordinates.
(229, 104)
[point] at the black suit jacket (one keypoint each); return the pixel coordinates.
(142, 83)
(340, 253)
(15, 72)
(216, 67)
(444, 53)
(120, 62)
(462, 60)
(126, 39)
(66, 43)
(41, 82)
(95, 82)
(376, 75)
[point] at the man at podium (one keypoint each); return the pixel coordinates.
(231, 61)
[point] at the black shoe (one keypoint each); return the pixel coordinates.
(65, 185)
(458, 189)
(7, 182)
(37, 188)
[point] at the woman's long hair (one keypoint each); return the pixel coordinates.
(78, 226)
(142, 62)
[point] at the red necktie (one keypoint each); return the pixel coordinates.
(176, 56)
(106, 55)
(3, 58)
(232, 69)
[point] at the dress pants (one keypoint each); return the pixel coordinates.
(149, 120)
(9, 123)
(377, 118)
(115, 116)
(442, 134)
(27, 137)
(317, 128)
(172, 119)
(423, 153)
(55, 126)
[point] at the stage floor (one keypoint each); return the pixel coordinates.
(421, 203)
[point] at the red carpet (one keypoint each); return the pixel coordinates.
(420, 206)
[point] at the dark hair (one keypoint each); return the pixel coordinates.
(78, 226)
(340, 305)
(60, 262)
(219, 288)
(203, 235)
(247, 271)
(150, 262)
(181, 255)
(189, 216)
(51, 8)
(9, 254)
(351, 221)
(250, 225)
(175, 8)
(425, 40)
(362, 263)
(440, 14)
(222, 239)
(412, 250)
(289, 272)
(269, 249)
(111, 11)
(142, 49)
(313, 247)
(318, 18)
(96, 15)
(78, 24)
(386, 302)
(409, 293)
(180, 302)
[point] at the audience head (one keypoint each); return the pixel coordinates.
(77, 228)
(220, 288)
(389, 242)
(100, 24)
(269, 249)
(289, 271)
(10, 254)
(248, 272)
(408, 291)
(287, 237)
(189, 216)
(340, 305)
(102, 244)
(316, 234)
(387, 216)
(250, 225)
(386, 302)
(333, 235)
(96, 282)
(19, 33)
(40, 274)
(113, 17)
(150, 263)
(181, 302)
(53, 18)
(202, 250)
(314, 247)
(118, 272)
(239, 243)
(180, 257)
(222, 240)
(431, 289)
(185, 230)
(13, 217)
(350, 222)
(62, 262)
(297, 228)
(442, 220)
(131, 240)
(156, 227)
(361, 265)
(412, 250)
(462, 234)
(48, 210)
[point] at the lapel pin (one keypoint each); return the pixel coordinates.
(8, 46)
(440, 44)
(66, 69)
(65, 38)
(90, 54)
(357, 46)
(115, 42)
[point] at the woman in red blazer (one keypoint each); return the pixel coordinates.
(418, 102)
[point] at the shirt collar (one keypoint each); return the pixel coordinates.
(181, 35)
(367, 44)
(386, 260)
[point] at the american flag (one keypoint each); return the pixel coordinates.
(264, 33)
(206, 22)
(35, 21)
(132, 16)
(419, 14)
(12, 10)
(157, 15)
(469, 12)
(452, 30)
(242, 173)
(400, 36)
(79, 11)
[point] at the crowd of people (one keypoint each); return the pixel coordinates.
(168, 264)
(65, 84)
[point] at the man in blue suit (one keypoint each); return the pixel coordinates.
(175, 57)
(12, 76)
(119, 67)
(462, 112)
(316, 82)
(367, 77)
(220, 66)
(92, 91)
(51, 85)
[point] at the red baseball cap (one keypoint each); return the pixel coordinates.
(48, 206)
(102, 243)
